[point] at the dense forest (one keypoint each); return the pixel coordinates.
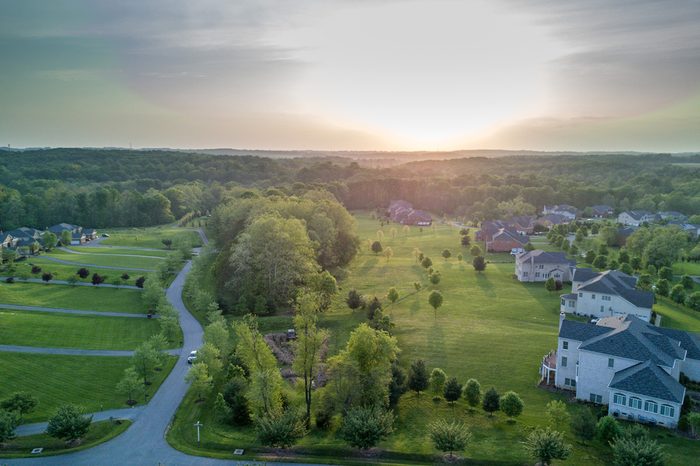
(100, 187)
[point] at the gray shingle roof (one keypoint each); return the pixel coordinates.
(647, 378)
(581, 331)
(584, 274)
(505, 234)
(637, 340)
(541, 257)
(621, 284)
(689, 341)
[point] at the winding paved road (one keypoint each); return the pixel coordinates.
(17, 307)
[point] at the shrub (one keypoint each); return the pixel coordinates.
(584, 425)
(608, 429)
(83, 272)
(511, 404)
(140, 282)
(491, 402)
(364, 427)
(449, 437)
(36, 269)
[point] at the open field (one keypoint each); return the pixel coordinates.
(64, 271)
(54, 330)
(110, 261)
(88, 381)
(68, 297)
(99, 432)
(689, 268)
(119, 251)
(150, 237)
(490, 327)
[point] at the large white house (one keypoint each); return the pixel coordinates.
(606, 294)
(626, 363)
(538, 266)
(636, 217)
(565, 210)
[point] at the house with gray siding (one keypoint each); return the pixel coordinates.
(538, 266)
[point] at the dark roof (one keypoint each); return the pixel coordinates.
(581, 331)
(569, 296)
(637, 214)
(689, 341)
(624, 232)
(584, 274)
(556, 219)
(647, 378)
(539, 256)
(506, 233)
(601, 208)
(621, 284)
(637, 340)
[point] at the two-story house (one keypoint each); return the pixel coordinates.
(606, 294)
(538, 266)
(627, 364)
(506, 239)
(636, 217)
(564, 210)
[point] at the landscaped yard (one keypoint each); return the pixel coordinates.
(150, 237)
(88, 381)
(48, 329)
(686, 268)
(111, 261)
(65, 271)
(490, 327)
(119, 251)
(72, 297)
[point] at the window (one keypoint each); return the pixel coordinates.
(580, 295)
(635, 402)
(537, 274)
(563, 302)
(595, 398)
(601, 308)
(572, 303)
(611, 362)
(667, 410)
(565, 344)
(541, 266)
(651, 406)
(593, 296)
(570, 382)
(619, 399)
(525, 274)
(606, 298)
(563, 361)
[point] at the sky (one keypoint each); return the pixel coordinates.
(352, 74)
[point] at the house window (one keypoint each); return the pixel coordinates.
(541, 266)
(572, 303)
(537, 275)
(563, 361)
(525, 274)
(635, 402)
(595, 398)
(601, 308)
(565, 344)
(570, 382)
(606, 298)
(593, 296)
(619, 399)
(651, 406)
(580, 295)
(563, 302)
(611, 362)
(667, 410)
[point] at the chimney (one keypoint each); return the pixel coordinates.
(562, 318)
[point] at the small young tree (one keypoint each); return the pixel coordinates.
(644, 282)
(546, 445)
(584, 425)
(475, 250)
(435, 277)
(69, 423)
(472, 393)
(435, 300)
(36, 269)
(479, 263)
(662, 287)
(446, 254)
(608, 429)
(491, 402)
(19, 402)
(590, 256)
(167, 242)
(426, 262)
(437, 381)
(465, 241)
(66, 237)
(453, 390)
(97, 279)
(634, 450)
(511, 404)
(131, 386)
(49, 240)
(234, 395)
(47, 277)
(678, 294)
(354, 299)
(392, 295)
(83, 272)
(600, 262)
(460, 257)
(140, 282)
(449, 436)
(377, 247)
(694, 423)
(550, 285)
(388, 253)
(666, 273)
(636, 262)
(364, 427)
(145, 360)
(9, 420)
(693, 301)
(280, 431)
(200, 379)
(687, 282)
(418, 376)
(557, 414)
(626, 268)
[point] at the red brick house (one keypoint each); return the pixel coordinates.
(505, 240)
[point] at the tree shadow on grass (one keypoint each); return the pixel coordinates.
(436, 337)
(483, 282)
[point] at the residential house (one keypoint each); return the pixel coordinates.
(690, 228)
(538, 266)
(505, 240)
(6, 240)
(636, 217)
(90, 234)
(550, 220)
(523, 224)
(623, 233)
(626, 363)
(672, 215)
(488, 228)
(77, 234)
(606, 294)
(564, 210)
(602, 211)
(26, 240)
(403, 212)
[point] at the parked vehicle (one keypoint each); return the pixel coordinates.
(192, 357)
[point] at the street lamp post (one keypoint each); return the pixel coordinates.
(198, 425)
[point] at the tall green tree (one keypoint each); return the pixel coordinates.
(449, 436)
(472, 393)
(69, 423)
(546, 445)
(418, 376)
(365, 427)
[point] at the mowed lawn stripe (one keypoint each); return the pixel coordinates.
(109, 261)
(87, 381)
(41, 329)
(68, 297)
(65, 271)
(118, 251)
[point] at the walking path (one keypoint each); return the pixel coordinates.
(17, 307)
(109, 254)
(95, 266)
(64, 282)
(144, 442)
(73, 351)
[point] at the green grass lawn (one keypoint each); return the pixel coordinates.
(88, 381)
(119, 251)
(491, 327)
(112, 261)
(69, 297)
(47, 329)
(689, 268)
(99, 432)
(64, 271)
(150, 237)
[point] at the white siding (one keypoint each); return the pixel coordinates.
(571, 355)
(691, 368)
(642, 415)
(594, 375)
(593, 304)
